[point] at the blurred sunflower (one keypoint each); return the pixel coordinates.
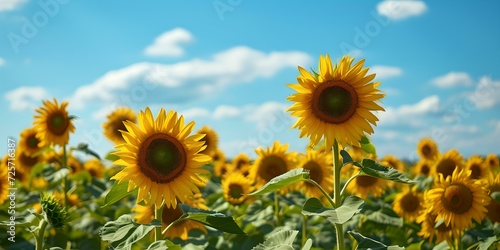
(222, 169)
(53, 123)
(423, 167)
(427, 149)
(94, 167)
(218, 159)
(407, 204)
(24, 162)
(271, 162)
(337, 103)
(74, 164)
(4, 184)
(364, 185)
(196, 201)
(458, 199)
(393, 162)
(28, 141)
(428, 229)
(73, 199)
(210, 138)
(494, 206)
(236, 187)
(114, 123)
(478, 168)
(492, 161)
(242, 164)
(161, 158)
(39, 182)
(320, 170)
(447, 163)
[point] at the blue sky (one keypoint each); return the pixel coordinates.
(225, 64)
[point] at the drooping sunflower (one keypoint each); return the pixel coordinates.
(271, 162)
(423, 167)
(492, 161)
(408, 204)
(478, 168)
(428, 229)
(241, 163)
(161, 158)
(447, 163)
(458, 199)
(236, 187)
(94, 167)
(494, 206)
(320, 168)
(114, 123)
(211, 140)
(364, 185)
(28, 141)
(427, 149)
(4, 184)
(336, 104)
(53, 124)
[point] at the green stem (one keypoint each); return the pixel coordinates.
(322, 191)
(158, 216)
(65, 179)
(171, 225)
(277, 208)
(347, 183)
(304, 229)
(41, 234)
(459, 243)
(336, 193)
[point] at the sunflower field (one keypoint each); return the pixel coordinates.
(167, 186)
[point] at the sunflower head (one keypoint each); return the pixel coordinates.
(408, 204)
(218, 159)
(271, 162)
(319, 165)
(242, 164)
(211, 140)
(53, 124)
(447, 163)
(236, 187)
(29, 142)
(492, 161)
(114, 123)
(54, 212)
(428, 229)
(161, 158)
(94, 167)
(423, 167)
(364, 186)
(337, 103)
(25, 162)
(427, 149)
(494, 206)
(477, 167)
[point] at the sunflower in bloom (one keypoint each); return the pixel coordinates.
(423, 167)
(337, 104)
(428, 229)
(393, 162)
(4, 185)
(74, 164)
(53, 123)
(320, 168)
(94, 167)
(271, 162)
(427, 149)
(492, 161)
(236, 187)
(408, 204)
(478, 168)
(161, 158)
(364, 185)
(457, 199)
(447, 163)
(241, 163)
(210, 138)
(114, 124)
(28, 141)
(218, 159)
(24, 162)
(494, 206)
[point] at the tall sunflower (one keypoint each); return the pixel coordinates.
(161, 158)
(447, 163)
(53, 123)
(364, 185)
(28, 141)
(494, 206)
(408, 204)
(336, 104)
(271, 162)
(236, 187)
(114, 123)
(320, 168)
(427, 149)
(457, 199)
(478, 168)
(210, 138)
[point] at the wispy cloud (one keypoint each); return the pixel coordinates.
(169, 43)
(452, 79)
(2, 62)
(411, 114)
(386, 71)
(226, 111)
(8, 5)
(401, 9)
(24, 98)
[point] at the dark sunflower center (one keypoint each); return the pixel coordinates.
(427, 151)
(239, 164)
(443, 228)
(162, 158)
(475, 171)
(272, 166)
(28, 161)
(58, 123)
(335, 101)
(457, 199)
(235, 191)
(32, 142)
(170, 215)
(410, 203)
(117, 126)
(446, 167)
(223, 170)
(315, 171)
(425, 169)
(365, 181)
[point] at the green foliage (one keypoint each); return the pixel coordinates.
(289, 178)
(124, 232)
(210, 218)
(282, 240)
(351, 206)
(117, 192)
(365, 243)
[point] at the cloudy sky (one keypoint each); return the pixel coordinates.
(225, 64)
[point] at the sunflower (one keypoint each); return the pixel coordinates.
(393, 162)
(114, 124)
(478, 168)
(447, 163)
(24, 162)
(408, 204)
(241, 163)
(427, 149)
(235, 188)
(337, 103)
(423, 167)
(492, 161)
(4, 185)
(94, 167)
(53, 123)
(73, 199)
(74, 164)
(365, 185)
(428, 228)
(458, 199)
(222, 169)
(320, 168)
(494, 206)
(211, 140)
(218, 159)
(271, 162)
(161, 158)
(28, 141)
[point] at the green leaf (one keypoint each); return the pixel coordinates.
(211, 218)
(346, 158)
(124, 232)
(371, 168)
(291, 177)
(83, 176)
(51, 175)
(117, 192)
(84, 147)
(495, 196)
(365, 243)
(111, 157)
(282, 240)
(381, 218)
(307, 245)
(485, 245)
(164, 245)
(415, 246)
(368, 146)
(351, 206)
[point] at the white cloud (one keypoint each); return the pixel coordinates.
(411, 113)
(265, 113)
(24, 98)
(8, 5)
(486, 93)
(185, 81)
(195, 113)
(452, 79)
(226, 111)
(386, 71)
(169, 43)
(2, 62)
(401, 9)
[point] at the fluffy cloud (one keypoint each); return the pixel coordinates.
(24, 98)
(452, 79)
(226, 111)
(410, 114)
(385, 71)
(265, 113)
(486, 93)
(8, 5)
(169, 43)
(401, 9)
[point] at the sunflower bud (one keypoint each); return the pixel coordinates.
(53, 212)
